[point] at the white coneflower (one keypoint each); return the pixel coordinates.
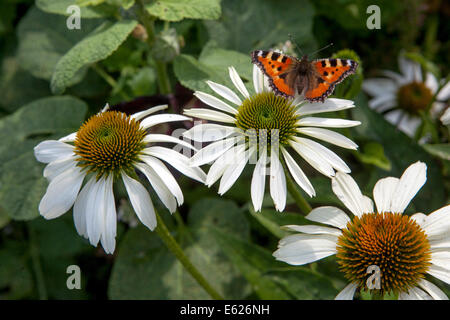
(256, 128)
(401, 97)
(109, 146)
(404, 248)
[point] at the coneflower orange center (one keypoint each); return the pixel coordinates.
(393, 242)
(414, 97)
(109, 142)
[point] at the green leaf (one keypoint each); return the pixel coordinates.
(21, 182)
(441, 150)
(60, 7)
(373, 153)
(145, 269)
(176, 10)
(44, 39)
(95, 47)
(259, 24)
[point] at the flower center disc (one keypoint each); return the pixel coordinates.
(393, 242)
(414, 97)
(264, 112)
(109, 142)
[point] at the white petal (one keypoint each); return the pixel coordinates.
(407, 68)
(414, 294)
(214, 102)
(61, 193)
(348, 192)
(420, 219)
(166, 176)
(277, 181)
(178, 161)
(212, 151)
(110, 224)
(439, 273)
(156, 137)
(159, 186)
(237, 81)
(409, 184)
(220, 165)
(327, 122)
(383, 103)
(444, 93)
(409, 124)
(438, 222)
(140, 115)
(258, 79)
(141, 202)
(329, 215)
(311, 229)
(52, 150)
(207, 132)
(432, 290)
(383, 193)
(329, 136)
(95, 211)
(379, 86)
(69, 138)
(331, 104)
(233, 171)
(162, 118)
(399, 79)
(208, 114)
(431, 82)
(225, 92)
(347, 293)
(80, 208)
(445, 118)
(259, 181)
(314, 159)
(297, 173)
(55, 168)
(441, 257)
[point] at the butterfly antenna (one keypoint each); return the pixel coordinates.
(327, 46)
(291, 38)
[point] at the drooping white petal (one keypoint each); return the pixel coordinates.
(208, 114)
(55, 168)
(438, 222)
(441, 257)
(383, 193)
(431, 82)
(432, 290)
(52, 150)
(237, 81)
(207, 132)
(235, 169)
(409, 184)
(329, 136)
(444, 93)
(80, 208)
(383, 103)
(311, 229)
(162, 118)
(407, 68)
(225, 92)
(215, 102)
(69, 138)
(314, 159)
(156, 137)
(140, 115)
(141, 202)
(347, 293)
(327, 122)
(108, 237)
(258, 79)
(277, 180)
(329, 215)
(178, 161)
(378, 86)
(440, 273)
(259, 181)
(445, 118)
(95, 211)
(308, 249)
(220, 165)
(161, 170)
(212, 151)
(297, 173)
(398, 78)
(61, 193)
(414, 294)
(348, 192)
(331, 104)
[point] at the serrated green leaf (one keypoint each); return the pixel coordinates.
(21, 182)
(176, 10)
(441, 150)
(98, 45)
(145, 269)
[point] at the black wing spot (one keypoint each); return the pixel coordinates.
(324, 64)
(344, 63)
(275, 55)
(264, 54)
(279, 68)
(333, 62)
(284, 59)
(325, 73)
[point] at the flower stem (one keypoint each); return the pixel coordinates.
(36, 263)
(173, 246)
(301, 202)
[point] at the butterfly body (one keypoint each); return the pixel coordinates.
(315, 79)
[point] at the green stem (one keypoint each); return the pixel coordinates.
(173, 246)
(109, 80)
(147, 21)
(301, 202)
(36, 262)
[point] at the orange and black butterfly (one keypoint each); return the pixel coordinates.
(315, 79)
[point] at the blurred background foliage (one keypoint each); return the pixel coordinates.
(134, 54)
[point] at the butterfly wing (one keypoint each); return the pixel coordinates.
(276, 66)
(331, 72)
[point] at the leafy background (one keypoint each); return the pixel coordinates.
(53, 78)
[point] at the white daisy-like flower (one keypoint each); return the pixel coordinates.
(401, 97)
(254, 128)
(405, 248)
(109, 147)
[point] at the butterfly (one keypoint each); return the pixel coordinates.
(315, 79)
